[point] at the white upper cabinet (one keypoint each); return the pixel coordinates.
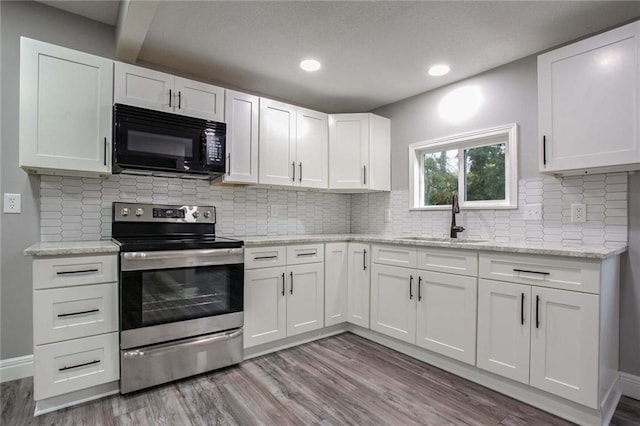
(242, 137)
(588, 104)
(65, 110)
(312, 149)
(160, 91)
(277, 143)
(359, 152)
(293, 146)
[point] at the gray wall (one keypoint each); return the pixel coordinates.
(510, 95)
(27, 18)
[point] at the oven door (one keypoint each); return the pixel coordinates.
(167, 295)
(157, 141)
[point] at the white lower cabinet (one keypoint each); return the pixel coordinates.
(446, 314)
(335, 283)
(393, 308)
(504, 328)
(75, 328)
(283, 301)
(358, 284)
(564, 344)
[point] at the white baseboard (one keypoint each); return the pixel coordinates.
(16, 368)
(629, 385)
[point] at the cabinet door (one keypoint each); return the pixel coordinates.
(241, 112)
(447, 315)
(588, 94)
(359, 281)
(265, 315)
(393, 301)
(66, 108)
(379, 164)
(305, 300)
(277, 143)
(197, 99)
(348, 150)
(312, 149)
(335, 283)
(564, 344)
(504, 329)
(144, 88)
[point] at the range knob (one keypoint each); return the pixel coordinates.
(125, 212)
(139, 212)
(196, 214)
(207, 214)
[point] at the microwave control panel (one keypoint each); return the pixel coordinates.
(215, 149)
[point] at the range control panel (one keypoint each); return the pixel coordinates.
(135, 212)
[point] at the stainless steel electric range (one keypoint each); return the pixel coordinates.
(181, 293)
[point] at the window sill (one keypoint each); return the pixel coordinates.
(467, 207)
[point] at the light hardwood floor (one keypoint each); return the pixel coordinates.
(340, 380)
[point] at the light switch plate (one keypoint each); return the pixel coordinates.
(533, 212)
(274, 210)
(12, 203)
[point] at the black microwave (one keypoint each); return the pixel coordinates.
(164, 144)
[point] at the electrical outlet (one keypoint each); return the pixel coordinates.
(274, 210)
(533, 212)
(12, 203)
(387, 215)
(578, 213)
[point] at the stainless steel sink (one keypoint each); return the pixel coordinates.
(442, 240)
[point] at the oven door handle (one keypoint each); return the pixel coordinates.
(196, 341)
(172, 254)
(149, 260)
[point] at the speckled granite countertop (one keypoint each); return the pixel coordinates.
(549, 249)
(72, 248)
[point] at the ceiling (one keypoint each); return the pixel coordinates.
(373, 52)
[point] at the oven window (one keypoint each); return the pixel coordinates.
(157, 144)
(162, 296)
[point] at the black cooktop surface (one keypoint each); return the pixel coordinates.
(176, 242)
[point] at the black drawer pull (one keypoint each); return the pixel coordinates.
(291, 274)
(419, 289)
(537, 311)
(97, 361)
(78, 313)
(410, 287)
(522, 310)
(82, 271)
(364, 260)
(283, 283)
(532, 272)
(305, 254)
(265, 257)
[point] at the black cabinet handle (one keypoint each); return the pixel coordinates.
(170, 96)
(522, 310)
(364, 260)
(291, 274)
(305, 254)
(265, 257)
(300, 178)
(105, 151)
(419, 289)
(91, 311)
(410, 287)
(283, 283)
(82, 271)
(179, 99)
(97, 361)
(537, 311)
(544, 150)
(532, 272)
(364, 173)
(229, 163)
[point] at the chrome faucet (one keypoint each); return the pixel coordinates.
(455, 208)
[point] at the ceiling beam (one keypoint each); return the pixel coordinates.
(134, 20)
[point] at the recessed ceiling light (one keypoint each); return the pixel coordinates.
(438, 70)
(310, 65)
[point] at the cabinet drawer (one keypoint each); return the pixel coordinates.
(54, 272)
(459, 262)
(305, 253)
(562, 273)
(406, 257)
(68, 366)
(264, 257)
(74, 312)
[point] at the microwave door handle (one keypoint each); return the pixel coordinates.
(203, 149)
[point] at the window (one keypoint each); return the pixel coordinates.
(480, 166)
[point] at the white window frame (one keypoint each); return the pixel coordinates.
(507, 134)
